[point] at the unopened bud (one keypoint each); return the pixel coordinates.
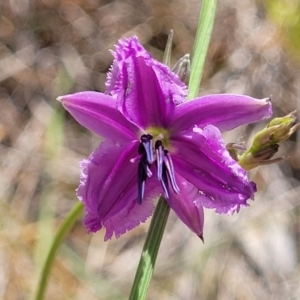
(285, 127)
(182, 68)
(265, 143)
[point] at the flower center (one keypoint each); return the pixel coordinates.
(161, 134)
(157, 154)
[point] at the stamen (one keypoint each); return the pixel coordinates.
(170, 170)
(146, 140)
(164, 182)
(146, 167)
(142, 176)
(164, 164)
(159, 158)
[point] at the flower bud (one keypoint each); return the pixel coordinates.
(182, 68)
(285, 127)
(265, 143)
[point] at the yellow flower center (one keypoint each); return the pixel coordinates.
(160, 134)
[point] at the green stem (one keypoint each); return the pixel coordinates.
(64, 228)
(205, 26)
(147, 261)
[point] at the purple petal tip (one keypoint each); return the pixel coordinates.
(201, 237)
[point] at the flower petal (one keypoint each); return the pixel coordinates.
(187, 206)
(201, 157)
(128, 212)
(225, 111)
(147, 91)
(98, 112)
(108, 189)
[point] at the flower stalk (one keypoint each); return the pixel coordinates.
(150, 250)
(204, 30)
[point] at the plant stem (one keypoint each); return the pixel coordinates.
(205, 26)
(64, 228)
(148, 257)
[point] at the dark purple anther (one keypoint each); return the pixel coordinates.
(159, 158)
(170, 170)
(146, 140)
(164, 182)
(142, 176)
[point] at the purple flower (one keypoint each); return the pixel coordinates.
(158, 143)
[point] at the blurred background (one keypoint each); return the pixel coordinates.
(52, 47)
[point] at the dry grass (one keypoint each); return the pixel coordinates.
(51, 47)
